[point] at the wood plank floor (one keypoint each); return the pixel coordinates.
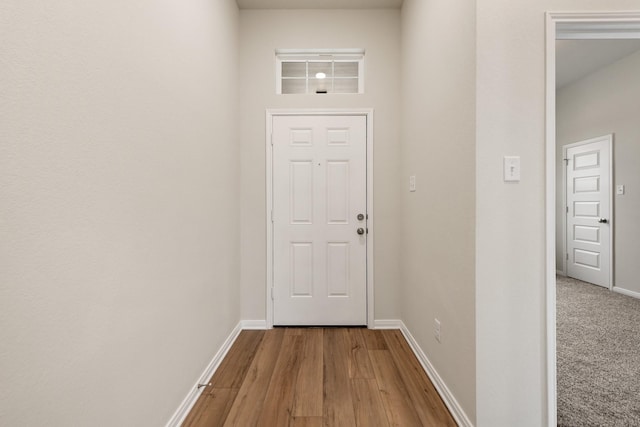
(320, 377)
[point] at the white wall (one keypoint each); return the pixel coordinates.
(510, 237)
(377, 31)
(119, 206)
(602, 103)
(438, 147)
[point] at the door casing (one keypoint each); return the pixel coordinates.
(270, 113)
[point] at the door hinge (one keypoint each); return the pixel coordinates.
(271, 138)
(566, 161)
(271, 215)
(272, 298)
(567, 209)
(567, 257)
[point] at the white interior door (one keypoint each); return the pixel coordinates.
(319, 220)
(588, 181)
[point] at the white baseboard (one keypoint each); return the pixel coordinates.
(187, 404)
(448, 398)
(626, 292)
(253, 324)
(387, 324)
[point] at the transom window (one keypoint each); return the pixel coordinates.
(319, 71)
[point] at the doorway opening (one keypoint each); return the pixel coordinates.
(575, 26)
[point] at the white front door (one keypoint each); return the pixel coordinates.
(588, 190)
(319, 220)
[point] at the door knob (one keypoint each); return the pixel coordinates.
(360, 231)
(603, 220)
(360, 217)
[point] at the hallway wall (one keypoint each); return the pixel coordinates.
(119, 170)
(263, 31)
(438, 219)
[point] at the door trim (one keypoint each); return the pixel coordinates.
(621, 25)
(270, 114)
(609, 140)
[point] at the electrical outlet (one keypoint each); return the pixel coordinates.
(436, 329)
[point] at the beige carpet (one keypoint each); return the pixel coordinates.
(598, 356)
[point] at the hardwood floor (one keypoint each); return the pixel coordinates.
(320, 377)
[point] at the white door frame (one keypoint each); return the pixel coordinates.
(368, 113)
(609, 139)
(578, 25)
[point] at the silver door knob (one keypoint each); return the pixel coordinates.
(360, 217)
(603, 220)
(360, 231)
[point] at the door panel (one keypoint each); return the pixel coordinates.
(319, 188)
(301, 266)
(337, 192)
(338, 269)
(588, 178)
(301, 191)
(585, 233)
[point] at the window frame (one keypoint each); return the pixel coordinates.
(307, 56)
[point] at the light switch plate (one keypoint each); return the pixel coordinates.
(511, 168)
(412, 183)
(620, 190)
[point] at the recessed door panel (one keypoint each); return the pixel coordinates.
(587, 258)
(338, 136)
(585, 233)
(586, 184)
(338, 269)
(586, 209)
(301, 192)
(301, 275)
(301, 137)
(587, 160)
(337, 188)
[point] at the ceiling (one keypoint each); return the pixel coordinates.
(576, 59)
(319, 4)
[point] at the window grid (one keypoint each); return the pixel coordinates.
(348, 79)
(331, 77)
